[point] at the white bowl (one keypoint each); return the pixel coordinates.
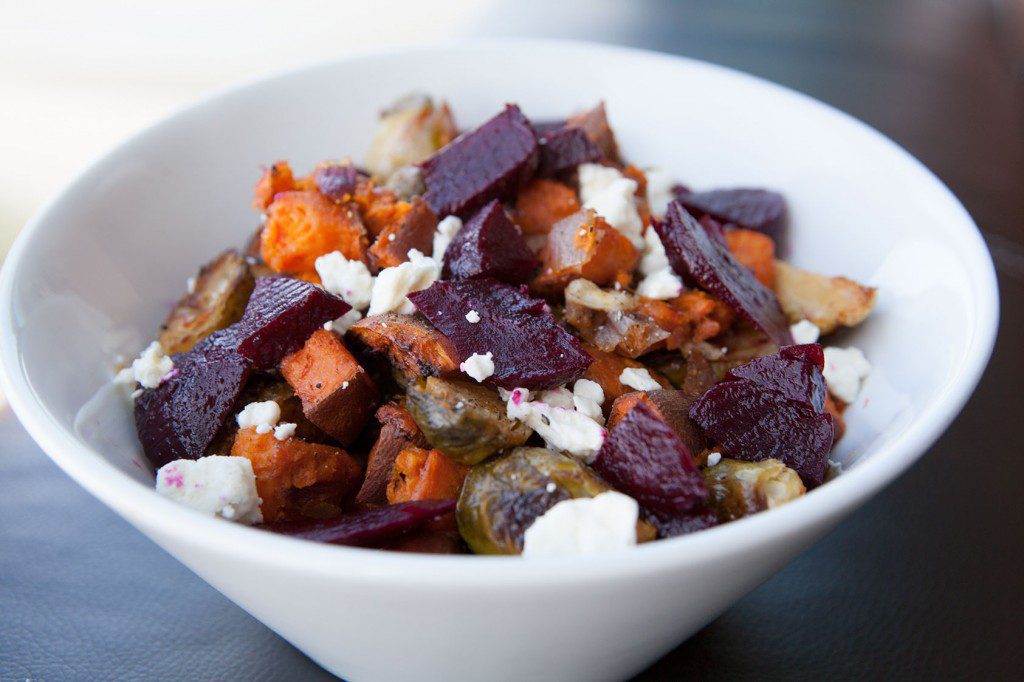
(92, 275)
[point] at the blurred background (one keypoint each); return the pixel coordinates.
(925, 582)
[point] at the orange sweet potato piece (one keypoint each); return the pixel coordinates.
(541, 204)
(756, 251)
(421, 474)
(691, 316)
(414, 230)
(412, 345)
(296, 479)
(379, 207)
(276, 179)
(336, 392)
(606, 370)
(302, 226)
(398, 430)
(583, 246)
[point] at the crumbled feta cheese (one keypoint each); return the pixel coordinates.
(845, 369)
(264, 416)
(558, 397)
(446, 231)
(284, 430)
(612, 196)
(349, 279)
(479, 366)
(834, 468)
(473, 317)
(639, 379)
(660, 285)
(654, 257)
(714, 458)
(216, 485)
(395, 283)
(345, 322)
(805, 331)
(588, 396)
(149, 369)
(659, 190)
(562, 429)
(190, 284)
(391, 237)
(583, 525)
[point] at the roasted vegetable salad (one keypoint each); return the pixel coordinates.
(501, 340)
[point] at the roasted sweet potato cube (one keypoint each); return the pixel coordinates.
(829, 302)
(606, 370)
(670, 406)
(302, 226)
(542, 203)
(412, 345)
(296, 479)
(336, 392)
(583, 246)
(754, 250)
(414, 230)
(217, 300)
(276, 179)
(421, 474)
(398, 431)
(691, 316)
(379, 207)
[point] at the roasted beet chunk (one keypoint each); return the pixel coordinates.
(336, 180)
(491, 162)
(490, 245)
(563, 149)
(695, 254)
(646, 459)
(372, 527)
(772, 407)
(752, 209)
(179, 418)
(282, 313)
(528, 347)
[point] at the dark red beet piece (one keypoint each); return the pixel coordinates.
(369, 527)
(807, 352)
(752, 209)
(529, 348)
(281, 315)
(179, 418)
(698, 518)
(563, 149)
(491, 162)
(772, 407)
(646, 459)
(490, 245)
(697, 256)
(336, 180)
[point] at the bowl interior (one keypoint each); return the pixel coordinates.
(97, 271)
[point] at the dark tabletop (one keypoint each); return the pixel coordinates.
(926, 581)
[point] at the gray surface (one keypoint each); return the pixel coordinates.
(924, 582)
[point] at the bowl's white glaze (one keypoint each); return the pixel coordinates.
(93, 273)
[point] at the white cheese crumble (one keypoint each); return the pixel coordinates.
(216, 485)
(714, 458)
(660, 285)
(804, 331)
(149, 369)
(562, 429)
(654, 257)
(558, 397)
(479, 366)
(659, 190)
(639, 379)
(263, 416)
(394, 284)
(845, 369)
(584, 525)
(446, 231)
(473, 317)
(588, 396)
(284, 430)
(349, 279)
(612, 196)
(345, 322)
(190, 285)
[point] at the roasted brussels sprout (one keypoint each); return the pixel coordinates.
(503, 496)
(828, 302)
(740, 489)
(412, 129)
(465, 421)
(216, 300)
